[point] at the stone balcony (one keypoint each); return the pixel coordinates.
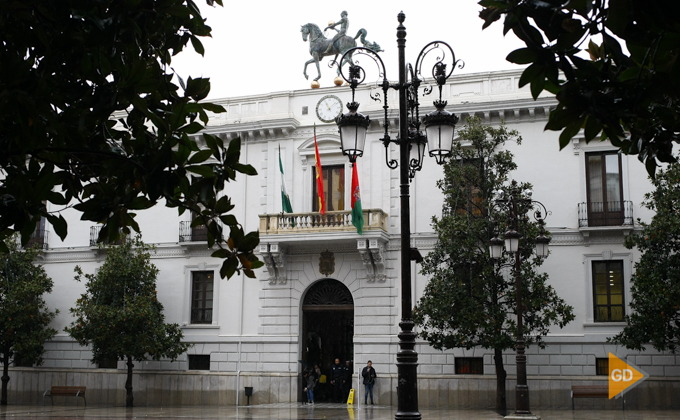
(332, 221)
(283, 235)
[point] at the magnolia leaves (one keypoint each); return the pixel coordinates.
(613, 67)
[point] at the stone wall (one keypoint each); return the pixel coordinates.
(168, 388)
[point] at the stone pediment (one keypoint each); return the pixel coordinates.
(327, 143)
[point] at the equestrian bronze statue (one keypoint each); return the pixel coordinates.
(320, 46)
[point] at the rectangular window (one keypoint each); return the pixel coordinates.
(469, 366)
(111, 363)
(602, 366)
(20, 362)
(202, 287)
(198, 233)
(469, 200)
(608, 291)
(605, 189)
(199, 362)
(333, 188)
(39, 236)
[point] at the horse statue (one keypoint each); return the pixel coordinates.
(318, 45)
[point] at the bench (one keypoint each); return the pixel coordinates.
(65, 391)
(591, 391)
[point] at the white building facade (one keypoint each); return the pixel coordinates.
(327, 292)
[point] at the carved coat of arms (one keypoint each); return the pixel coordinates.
(327, 263)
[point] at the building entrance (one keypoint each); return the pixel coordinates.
(327, 329)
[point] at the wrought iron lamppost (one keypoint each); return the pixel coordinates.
(517, 206)
(438, 136)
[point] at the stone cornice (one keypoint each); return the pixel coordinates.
(82, 254)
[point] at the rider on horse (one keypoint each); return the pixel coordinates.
(344, 24)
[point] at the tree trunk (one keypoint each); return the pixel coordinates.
(128, 383)
(501, 403)
(5, 377)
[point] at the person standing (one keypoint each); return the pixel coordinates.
(317, 373)
(348, 379)
(369, 375)
(337, 380)
(311, 383)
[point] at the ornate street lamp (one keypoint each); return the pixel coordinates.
(517, 207)
(412, 141)
(353, 126)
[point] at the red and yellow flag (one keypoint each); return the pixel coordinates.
(319, 178)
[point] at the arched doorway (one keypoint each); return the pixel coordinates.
(327, 327)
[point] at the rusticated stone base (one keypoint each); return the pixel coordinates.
(156, 388)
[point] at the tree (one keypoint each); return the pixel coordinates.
(92, 118)
(655, 285)
(25, 319)
(120, 316)
(470, 298)
(613, 66)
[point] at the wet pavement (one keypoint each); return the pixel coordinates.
(289, 411)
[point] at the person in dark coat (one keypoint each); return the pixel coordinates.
(348, 379)
(369, 375)
(305, 397)
(337, 380)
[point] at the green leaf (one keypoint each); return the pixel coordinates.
(205, 171)
(224, 205)
(522, 56)
(198, 46)
(217, 109)
(569, 132)
(592, 128)
(197, 89)
(618, 17)
(537, 86)
(229, 267)
(229, 220)
(250, 241)
(531, 73)
(192, 128)
(140, 203)
(200, 156)
(629, 74)
(221, 253)
(244, 169)
(59, 225)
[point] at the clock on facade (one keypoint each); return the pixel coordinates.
(328, 107)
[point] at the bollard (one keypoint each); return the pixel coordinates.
(249, 392)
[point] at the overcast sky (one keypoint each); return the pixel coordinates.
(257, 47)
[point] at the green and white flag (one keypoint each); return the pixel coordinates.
(285, 199)
(357, 213)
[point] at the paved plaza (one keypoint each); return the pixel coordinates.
(289, 411)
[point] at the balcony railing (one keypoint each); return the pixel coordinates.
(94, 235)
(609, 213)
(38, 239)
(332, 221)
(192, 234)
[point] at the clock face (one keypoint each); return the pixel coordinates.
(328, 108)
